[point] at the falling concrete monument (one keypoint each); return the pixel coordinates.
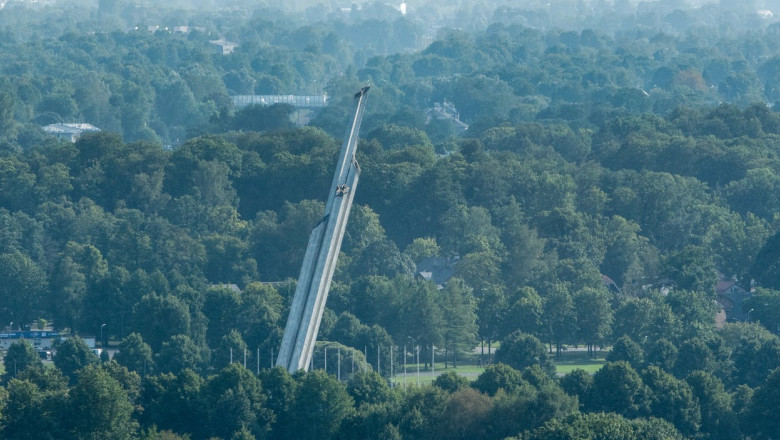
(300, 333)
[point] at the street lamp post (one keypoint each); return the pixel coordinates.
(418, 365)
(748, 318)
(417, 348)
(404, 365)
(102, 344)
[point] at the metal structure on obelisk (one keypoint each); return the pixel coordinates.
(300, 333)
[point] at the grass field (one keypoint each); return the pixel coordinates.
(571, 360)
(470, 368)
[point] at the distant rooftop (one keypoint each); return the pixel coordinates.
(302, 101)
(447, 111)
(69, 131)
(224, 47)
(437, 269)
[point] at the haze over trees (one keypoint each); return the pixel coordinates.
(620, 160)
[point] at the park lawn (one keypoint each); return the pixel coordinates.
(564, 364)
(569, 361)
(466, 369)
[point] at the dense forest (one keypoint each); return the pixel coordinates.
(643, 151)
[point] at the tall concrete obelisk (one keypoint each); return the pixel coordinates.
(300, 334)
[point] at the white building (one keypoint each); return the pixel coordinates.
(70, 132)
(42, 340)
(223, 47)
(300, 101)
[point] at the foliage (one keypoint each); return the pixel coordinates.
(520, 350)
(499, 377)
(319, 406)
(758, 416)
(135, 354)
(626, 142)
(607, 426)
(98, 407)
(20, 356)
(72, 355)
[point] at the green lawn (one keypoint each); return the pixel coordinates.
(571, 360)
(565, 363)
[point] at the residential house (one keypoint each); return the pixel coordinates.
(730, 296)
(437, 269)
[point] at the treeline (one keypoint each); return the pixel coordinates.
(167, 86)
(146, 241)
(82, 397)
(651, 160)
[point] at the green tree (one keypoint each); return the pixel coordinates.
(395, 137)
(98, 407)
(627, 350)
(23, 401)
(420, 405)
(694, 354)
(460, 319)
(154, 434)
(692, 268)
(221, 306)
(20, 356)
(280, 388)
(68, 286)
(672, 400)
(6, 113)
(760, 421)
(661, 353)
(179, 353)
(321, 403)
(47, 379)
(606, 426)
(260, 317)
(262, 118)
(526, 259)
(421, 248)
(18, 183)
(718, 420)
(646, 318)
(72, 355)
(228, 260)
(765, 306)
(417, 314)
(368, 388)
(499, 377)
(594, 316)
(235, 401)
(382, 257)
(618, 388)
(525, 312)
(578, 383)
(754, 352)
(135, 354)
(520, 350)
(466, 415)
(696, 309)
(559, 315)
(451, 381)
(492, 314)
(765, 268)
(231, 349)
(469, 229)
(159, 318)
(23, 288)
(173, 402)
